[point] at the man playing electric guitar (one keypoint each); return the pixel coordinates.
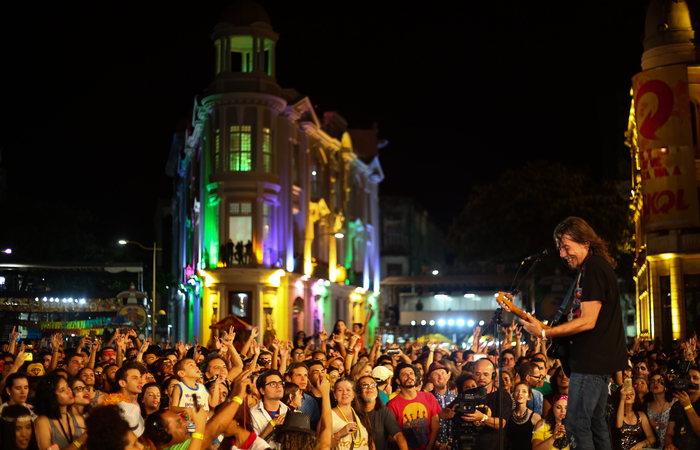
(597, 338)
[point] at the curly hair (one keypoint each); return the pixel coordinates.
(45, 401)
(108, 429)
(668, 393)
(298, 440)
(580, 232)
(8, 439)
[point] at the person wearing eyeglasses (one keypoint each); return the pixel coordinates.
(384, 424)
(269, 412)
(530, 373)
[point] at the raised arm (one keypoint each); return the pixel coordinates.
(253, 335)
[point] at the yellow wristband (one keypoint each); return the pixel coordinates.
(237, 400)
(77, 444)
(688, 407)
(199, 436)
(272, 422)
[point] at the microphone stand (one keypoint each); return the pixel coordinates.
(497, 322)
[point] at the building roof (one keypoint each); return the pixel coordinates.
(242, 13)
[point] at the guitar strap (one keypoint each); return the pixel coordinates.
(566, 301)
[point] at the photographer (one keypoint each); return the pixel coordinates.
(684, 424)
(488, 418)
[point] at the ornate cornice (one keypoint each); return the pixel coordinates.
(312, 130)
(245, 98)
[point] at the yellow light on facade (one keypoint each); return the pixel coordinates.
(275, 277)
(208, 280)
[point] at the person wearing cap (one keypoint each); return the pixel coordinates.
(296, 431)
(382, 376)
(439, 376)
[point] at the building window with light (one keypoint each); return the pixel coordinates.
(240, 230)
(267, 150)
(240, 148)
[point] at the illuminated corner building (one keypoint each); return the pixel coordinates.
(663, 138)
(275, 210)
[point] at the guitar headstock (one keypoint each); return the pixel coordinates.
(505, 300)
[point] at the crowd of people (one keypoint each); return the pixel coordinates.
(328, 392)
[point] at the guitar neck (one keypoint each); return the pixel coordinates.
(505, 300)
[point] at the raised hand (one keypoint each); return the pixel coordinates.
(56, 341)
(255, 332)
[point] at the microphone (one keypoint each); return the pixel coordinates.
(544, 252)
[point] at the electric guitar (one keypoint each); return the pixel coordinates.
(560, 346)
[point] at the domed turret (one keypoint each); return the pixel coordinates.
(668, 34)
(245, 51)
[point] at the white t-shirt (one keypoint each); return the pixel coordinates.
(187, 399)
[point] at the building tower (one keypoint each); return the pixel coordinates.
(275, 208)
(663, 137)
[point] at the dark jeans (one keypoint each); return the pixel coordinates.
(585, 413)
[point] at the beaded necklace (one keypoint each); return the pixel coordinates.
(520, 419)
(357, 421)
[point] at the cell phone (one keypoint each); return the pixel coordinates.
(392, 351)
(30, 357)
(92, 335)
(195, 398)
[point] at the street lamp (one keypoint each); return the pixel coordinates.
(153, 315)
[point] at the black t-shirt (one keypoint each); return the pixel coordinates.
(683, 434)
(601, 350)
(384, 424)
(487, 437)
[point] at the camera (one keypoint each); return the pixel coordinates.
(683, 384)
(463, 432)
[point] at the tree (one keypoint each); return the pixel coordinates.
(507, 220)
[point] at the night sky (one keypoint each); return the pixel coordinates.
(93, 92)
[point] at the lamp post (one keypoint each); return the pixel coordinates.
(153, 313)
